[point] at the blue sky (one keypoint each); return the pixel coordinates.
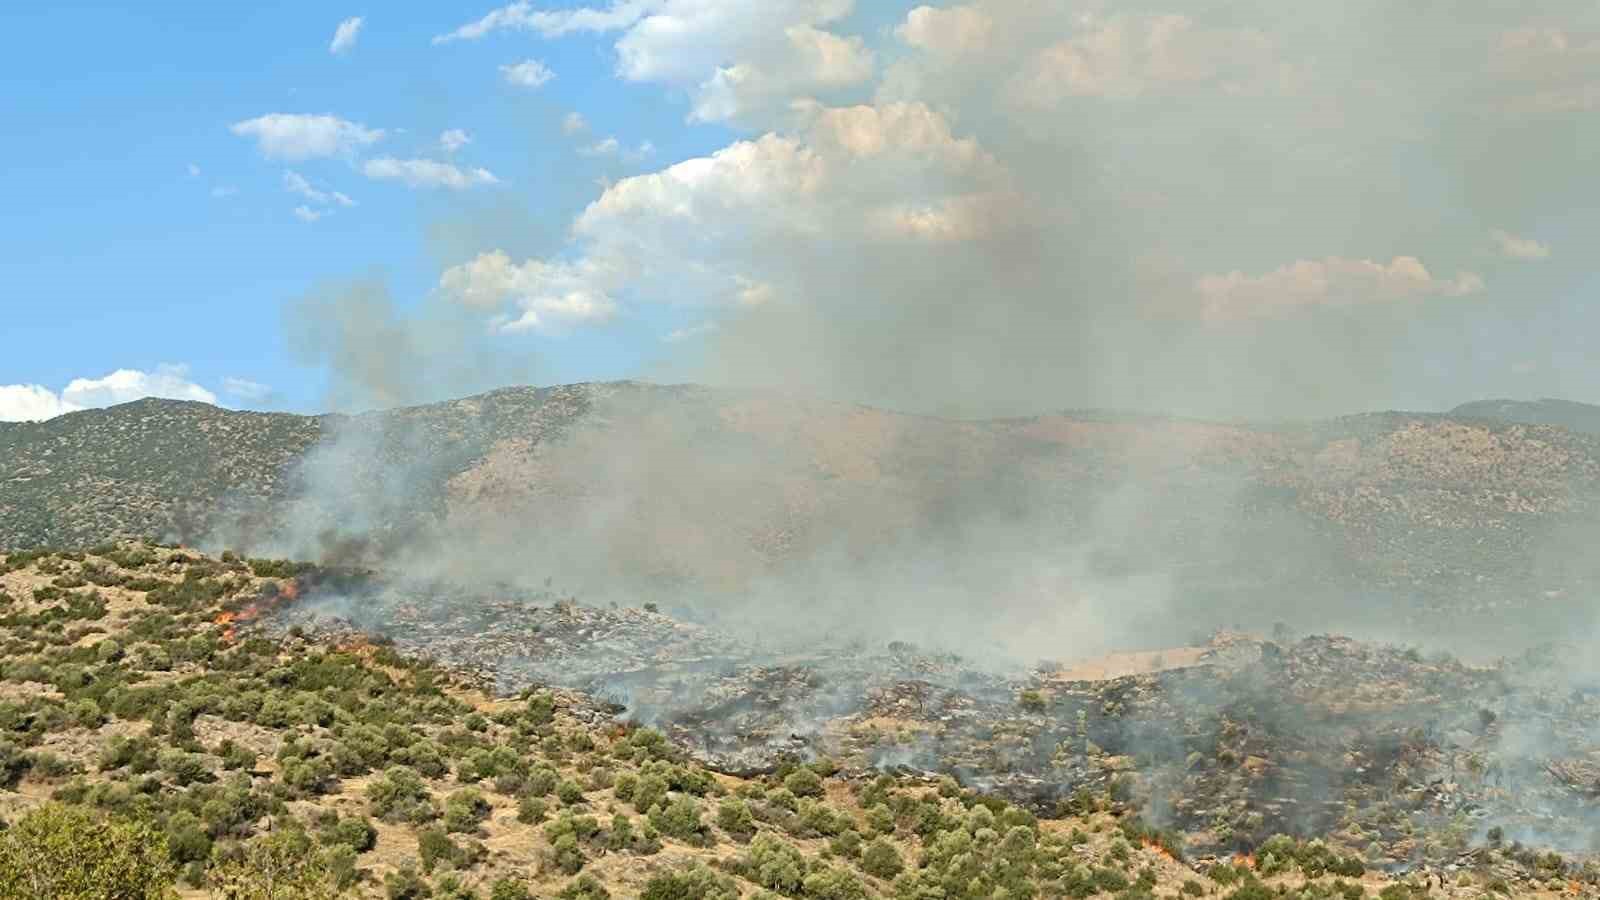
(119, 257)
(1217, 208)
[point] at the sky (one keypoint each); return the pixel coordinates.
(1218, 208)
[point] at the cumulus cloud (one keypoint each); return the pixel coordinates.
(427, 173)
(530, 73)
(1519, 247)
(574, 123)
(994, 207)
(950, 30)
(344, 37)
(294, 136)
(454, 139)
(738, 60)
(32, 402)
(1326, 282)
(549, 297)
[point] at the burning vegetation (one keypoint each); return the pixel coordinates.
(236, 714)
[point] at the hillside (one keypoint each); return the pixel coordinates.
(135, 685)
(633, 488)
(1583, 418)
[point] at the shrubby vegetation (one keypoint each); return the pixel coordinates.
(250, 768)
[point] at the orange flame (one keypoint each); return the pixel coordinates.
(230, 620)
(1157, 846)
(1248, 860)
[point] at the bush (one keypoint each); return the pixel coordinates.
(464, 810)
(650, 790)
(733, 816)
(406, 884)
(399, 795)
(680, 819)
(693, 883)
(435, 846)
(58, 851)
(509, 889)
(804, 783)
(880, 859)
(584, 887)
(775, 865)
(280, 866)
(532, 810)
(357, 834)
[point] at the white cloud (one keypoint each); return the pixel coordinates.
(427, 173)
(739, 60)
(1519, 247)
(294, 137)
(521, 16)
(247, 390)
(453, 140)
(610, 146)
(530, 73)
(951, 30)
(295, 183)
(699, 232)
(32, 402)
(549, 297)
(1331, 282)
(344, 37)
(574, 123)
(194, 171)
(810, 59)
(307, 214)
(168, 381)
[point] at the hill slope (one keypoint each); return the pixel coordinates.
(130, 688)
(624, 488)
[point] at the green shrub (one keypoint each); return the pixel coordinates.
(804, 783)
(399, 795)
(58, 851)
(733, 817)
(405, 883)
(532, 810)
(775, 864)
(464, 809)
(584, 887)
(696, 882)
(880, 859)
(680, 819)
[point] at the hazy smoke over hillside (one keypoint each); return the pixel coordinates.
(1219, 209)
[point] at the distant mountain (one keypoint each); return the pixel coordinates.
(1580, 417)
(677, 485)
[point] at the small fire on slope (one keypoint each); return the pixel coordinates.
(287, 591)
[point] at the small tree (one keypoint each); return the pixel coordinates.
(59, 851)
(280, 866)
